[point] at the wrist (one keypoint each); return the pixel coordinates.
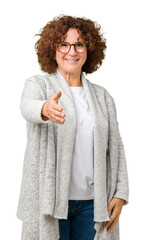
(43, 117)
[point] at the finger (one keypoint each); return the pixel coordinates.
(57, 119)
(111, 206)
(57, 96)
(56, 106)
(112, 225)
(114, 214)
(57, 113)
(116, 210)
(112, 218)
(56, 116)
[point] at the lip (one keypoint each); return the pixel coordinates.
(71, 60)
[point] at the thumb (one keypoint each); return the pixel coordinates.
(57, 96)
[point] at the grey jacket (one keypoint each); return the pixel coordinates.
(48, 158)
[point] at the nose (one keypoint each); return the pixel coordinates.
(72, 50)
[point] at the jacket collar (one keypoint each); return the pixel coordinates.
(61, 84)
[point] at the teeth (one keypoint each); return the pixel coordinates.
(71, 60)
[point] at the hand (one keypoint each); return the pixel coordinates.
(52, 110)
(115, 207)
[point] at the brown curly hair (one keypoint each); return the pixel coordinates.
(55, 31)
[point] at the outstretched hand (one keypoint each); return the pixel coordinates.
(115, 207)
(52, 110)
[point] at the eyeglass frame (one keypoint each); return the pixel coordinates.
(70, 44)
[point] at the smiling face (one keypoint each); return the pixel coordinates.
(72, 61)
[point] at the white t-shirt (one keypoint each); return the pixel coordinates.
(82, 181)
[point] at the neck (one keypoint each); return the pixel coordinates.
(73, 79)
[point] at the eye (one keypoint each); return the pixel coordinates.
(79, 44)
(63, 44)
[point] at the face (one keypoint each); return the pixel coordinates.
(64, 60)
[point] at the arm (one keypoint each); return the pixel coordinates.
(32, 102)
(122, 186)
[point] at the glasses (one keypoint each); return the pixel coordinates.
(64, 47)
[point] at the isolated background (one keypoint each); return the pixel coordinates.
(122, 74)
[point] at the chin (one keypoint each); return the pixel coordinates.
(72, 69)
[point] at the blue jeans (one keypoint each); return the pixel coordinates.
(80, 222)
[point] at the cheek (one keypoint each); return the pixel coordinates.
(84, 57)
(58, 57)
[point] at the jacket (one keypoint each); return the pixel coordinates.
(48, 157)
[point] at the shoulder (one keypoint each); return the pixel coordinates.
(101, 91)
(41, 82)
(104, 97)
(37, 79)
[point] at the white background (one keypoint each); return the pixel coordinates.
(122, 74)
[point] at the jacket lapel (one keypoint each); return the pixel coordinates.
(65, 144)
(66, 134)
(100, 147)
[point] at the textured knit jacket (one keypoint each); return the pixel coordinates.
(49, 153)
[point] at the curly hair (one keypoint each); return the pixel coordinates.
(55, 31)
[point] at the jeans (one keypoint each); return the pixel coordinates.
(80, 222)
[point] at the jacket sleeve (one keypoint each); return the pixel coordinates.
(122, 186)
(32, 102)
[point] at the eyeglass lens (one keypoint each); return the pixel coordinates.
(65, 47)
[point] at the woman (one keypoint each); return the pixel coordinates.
(75, 179)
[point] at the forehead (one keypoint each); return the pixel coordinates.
(73, 35)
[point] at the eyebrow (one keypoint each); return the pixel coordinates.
(72, 43)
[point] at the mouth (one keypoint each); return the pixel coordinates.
(71, 60)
